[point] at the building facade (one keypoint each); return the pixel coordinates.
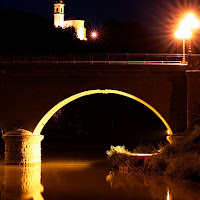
(59, 21)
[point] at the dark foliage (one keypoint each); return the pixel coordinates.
(129, 36)
(30, 34)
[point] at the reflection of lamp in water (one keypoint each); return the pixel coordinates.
(155, 186)
(169, 197)
(23, 182)
(109, 178)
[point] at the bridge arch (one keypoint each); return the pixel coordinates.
(51, 112)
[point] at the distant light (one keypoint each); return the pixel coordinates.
(94, 34)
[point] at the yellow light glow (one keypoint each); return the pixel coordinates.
(51, 112)
(23, 181)
(71, 164)
(122, 150)
(23, 143)
(142, 154)
(183, 33)
(168, 132)
(190, 22)
(186, 26)
(169, 197)
(81, 33)
(169, 137)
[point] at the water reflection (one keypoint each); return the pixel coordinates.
(159, 187)
(169, 197)
(22, 182)
(86, 180)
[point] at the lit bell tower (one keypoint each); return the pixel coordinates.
(59, 14)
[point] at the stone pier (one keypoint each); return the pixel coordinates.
(22, 147)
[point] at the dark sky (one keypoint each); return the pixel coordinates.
(94, 10)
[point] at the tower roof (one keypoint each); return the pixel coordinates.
(60, 1)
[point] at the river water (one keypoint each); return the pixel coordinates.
(86, 179)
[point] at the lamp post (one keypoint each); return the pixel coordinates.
(189, 46)
(183, 61)
(183, 34)
(185, 31)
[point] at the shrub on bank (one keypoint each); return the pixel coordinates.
(186, 165)
(156, 164)
(180, 159)
(119, 157)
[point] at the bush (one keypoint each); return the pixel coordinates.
(156, 164)
(185, 165)
(144, 149)
(177, 160)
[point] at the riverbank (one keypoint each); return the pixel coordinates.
(180, 159)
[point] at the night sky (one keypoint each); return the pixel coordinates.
(88, 9)
(96, 11)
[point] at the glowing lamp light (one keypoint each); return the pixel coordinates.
(186, 26)
(183, 33)
(94, 34)
(190, 22)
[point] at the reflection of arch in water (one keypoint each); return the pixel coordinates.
(51, 112)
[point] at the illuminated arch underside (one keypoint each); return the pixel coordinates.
(51, 112)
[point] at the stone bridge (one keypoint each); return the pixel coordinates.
(29, 91)
(32, 92)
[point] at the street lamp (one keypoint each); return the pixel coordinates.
(185, 30)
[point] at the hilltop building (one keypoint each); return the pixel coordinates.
(60, 22)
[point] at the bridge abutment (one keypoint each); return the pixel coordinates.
(22, 147)
(193, 97)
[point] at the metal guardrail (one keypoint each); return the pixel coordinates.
(101, 58)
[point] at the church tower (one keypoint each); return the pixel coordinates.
(59, 14)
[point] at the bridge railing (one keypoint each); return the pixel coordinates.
(108, 58)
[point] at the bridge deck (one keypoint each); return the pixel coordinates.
(99, 62)
(98, 58)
